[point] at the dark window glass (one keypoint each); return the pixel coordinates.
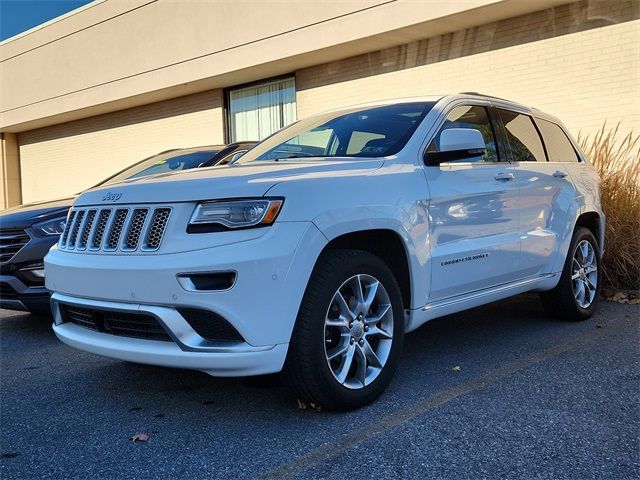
(358, 132)
(523, 137)
(474, 117)
(165, 162)
(559, 148)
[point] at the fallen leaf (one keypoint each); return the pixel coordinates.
(456, 368)
(140, 437)
(620, 297)
(598, 326)
(303, 406)
(635, 301)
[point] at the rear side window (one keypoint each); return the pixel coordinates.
(559, 147)
(523, 137)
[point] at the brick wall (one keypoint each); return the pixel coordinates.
(580, 62)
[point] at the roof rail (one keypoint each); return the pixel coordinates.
(485, 95)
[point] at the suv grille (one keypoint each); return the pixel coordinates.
(134, 325)
(108, 229)
(11, 242)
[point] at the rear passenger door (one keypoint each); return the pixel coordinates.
(473, 212)
(546, 192)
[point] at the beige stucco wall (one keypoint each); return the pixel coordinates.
(64, 159)
(584, 78)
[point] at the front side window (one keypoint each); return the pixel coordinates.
(523, 137)
(558, 145)
(255, 112)
(358, 132)
(473, 117)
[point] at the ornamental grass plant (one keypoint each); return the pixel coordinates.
(617, 159)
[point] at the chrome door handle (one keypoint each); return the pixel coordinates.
(559, 174)
(502, 176)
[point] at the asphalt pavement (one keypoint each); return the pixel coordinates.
(533, 398)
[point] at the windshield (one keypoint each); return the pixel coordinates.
(359, 132)
(172, 161)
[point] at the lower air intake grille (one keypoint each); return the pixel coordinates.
(134, 325)
(210, 326)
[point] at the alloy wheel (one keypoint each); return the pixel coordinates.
(584, 274)
(358, 331)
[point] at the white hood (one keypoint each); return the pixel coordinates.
(236, 181)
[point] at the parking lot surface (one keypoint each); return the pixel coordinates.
(532, 398)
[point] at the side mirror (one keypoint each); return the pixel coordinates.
(236, 156)
(457, 144)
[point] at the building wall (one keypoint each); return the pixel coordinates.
(116, 54)
(575, 61)
(64, 159)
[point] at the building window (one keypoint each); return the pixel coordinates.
(257, 111)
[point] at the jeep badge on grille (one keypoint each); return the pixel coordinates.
(111, 197)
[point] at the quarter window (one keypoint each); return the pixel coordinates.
(523, 137)
(558, 145)
(257, 111)
(475, 117)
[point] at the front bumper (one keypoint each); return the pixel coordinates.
(15, 295)
(272, 273)
(188, 350)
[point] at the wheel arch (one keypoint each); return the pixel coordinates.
(387, 245)
(593, 222)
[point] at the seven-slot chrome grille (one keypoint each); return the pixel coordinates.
(111, 229)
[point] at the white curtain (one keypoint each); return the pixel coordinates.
(257, 112)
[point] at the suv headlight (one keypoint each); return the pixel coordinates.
(234, 214)
(54, 226)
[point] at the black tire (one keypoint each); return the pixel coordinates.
(561, 302)
(306, 369)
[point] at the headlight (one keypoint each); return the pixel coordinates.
(51, 227)
(225, 215)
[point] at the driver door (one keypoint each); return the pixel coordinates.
(473, 211)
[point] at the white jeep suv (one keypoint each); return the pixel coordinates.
(316, 251)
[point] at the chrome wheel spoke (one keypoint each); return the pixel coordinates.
(339, 350)
(378, 332)
(370, 355)
(340, 323)
(580, 295)
(383, 310)
(584, 251)
(343, 306)
(345, 365)
(370, 297)
(361, 366)
(356, 285)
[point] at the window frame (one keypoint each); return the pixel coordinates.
(495, 128)
(226, 107)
